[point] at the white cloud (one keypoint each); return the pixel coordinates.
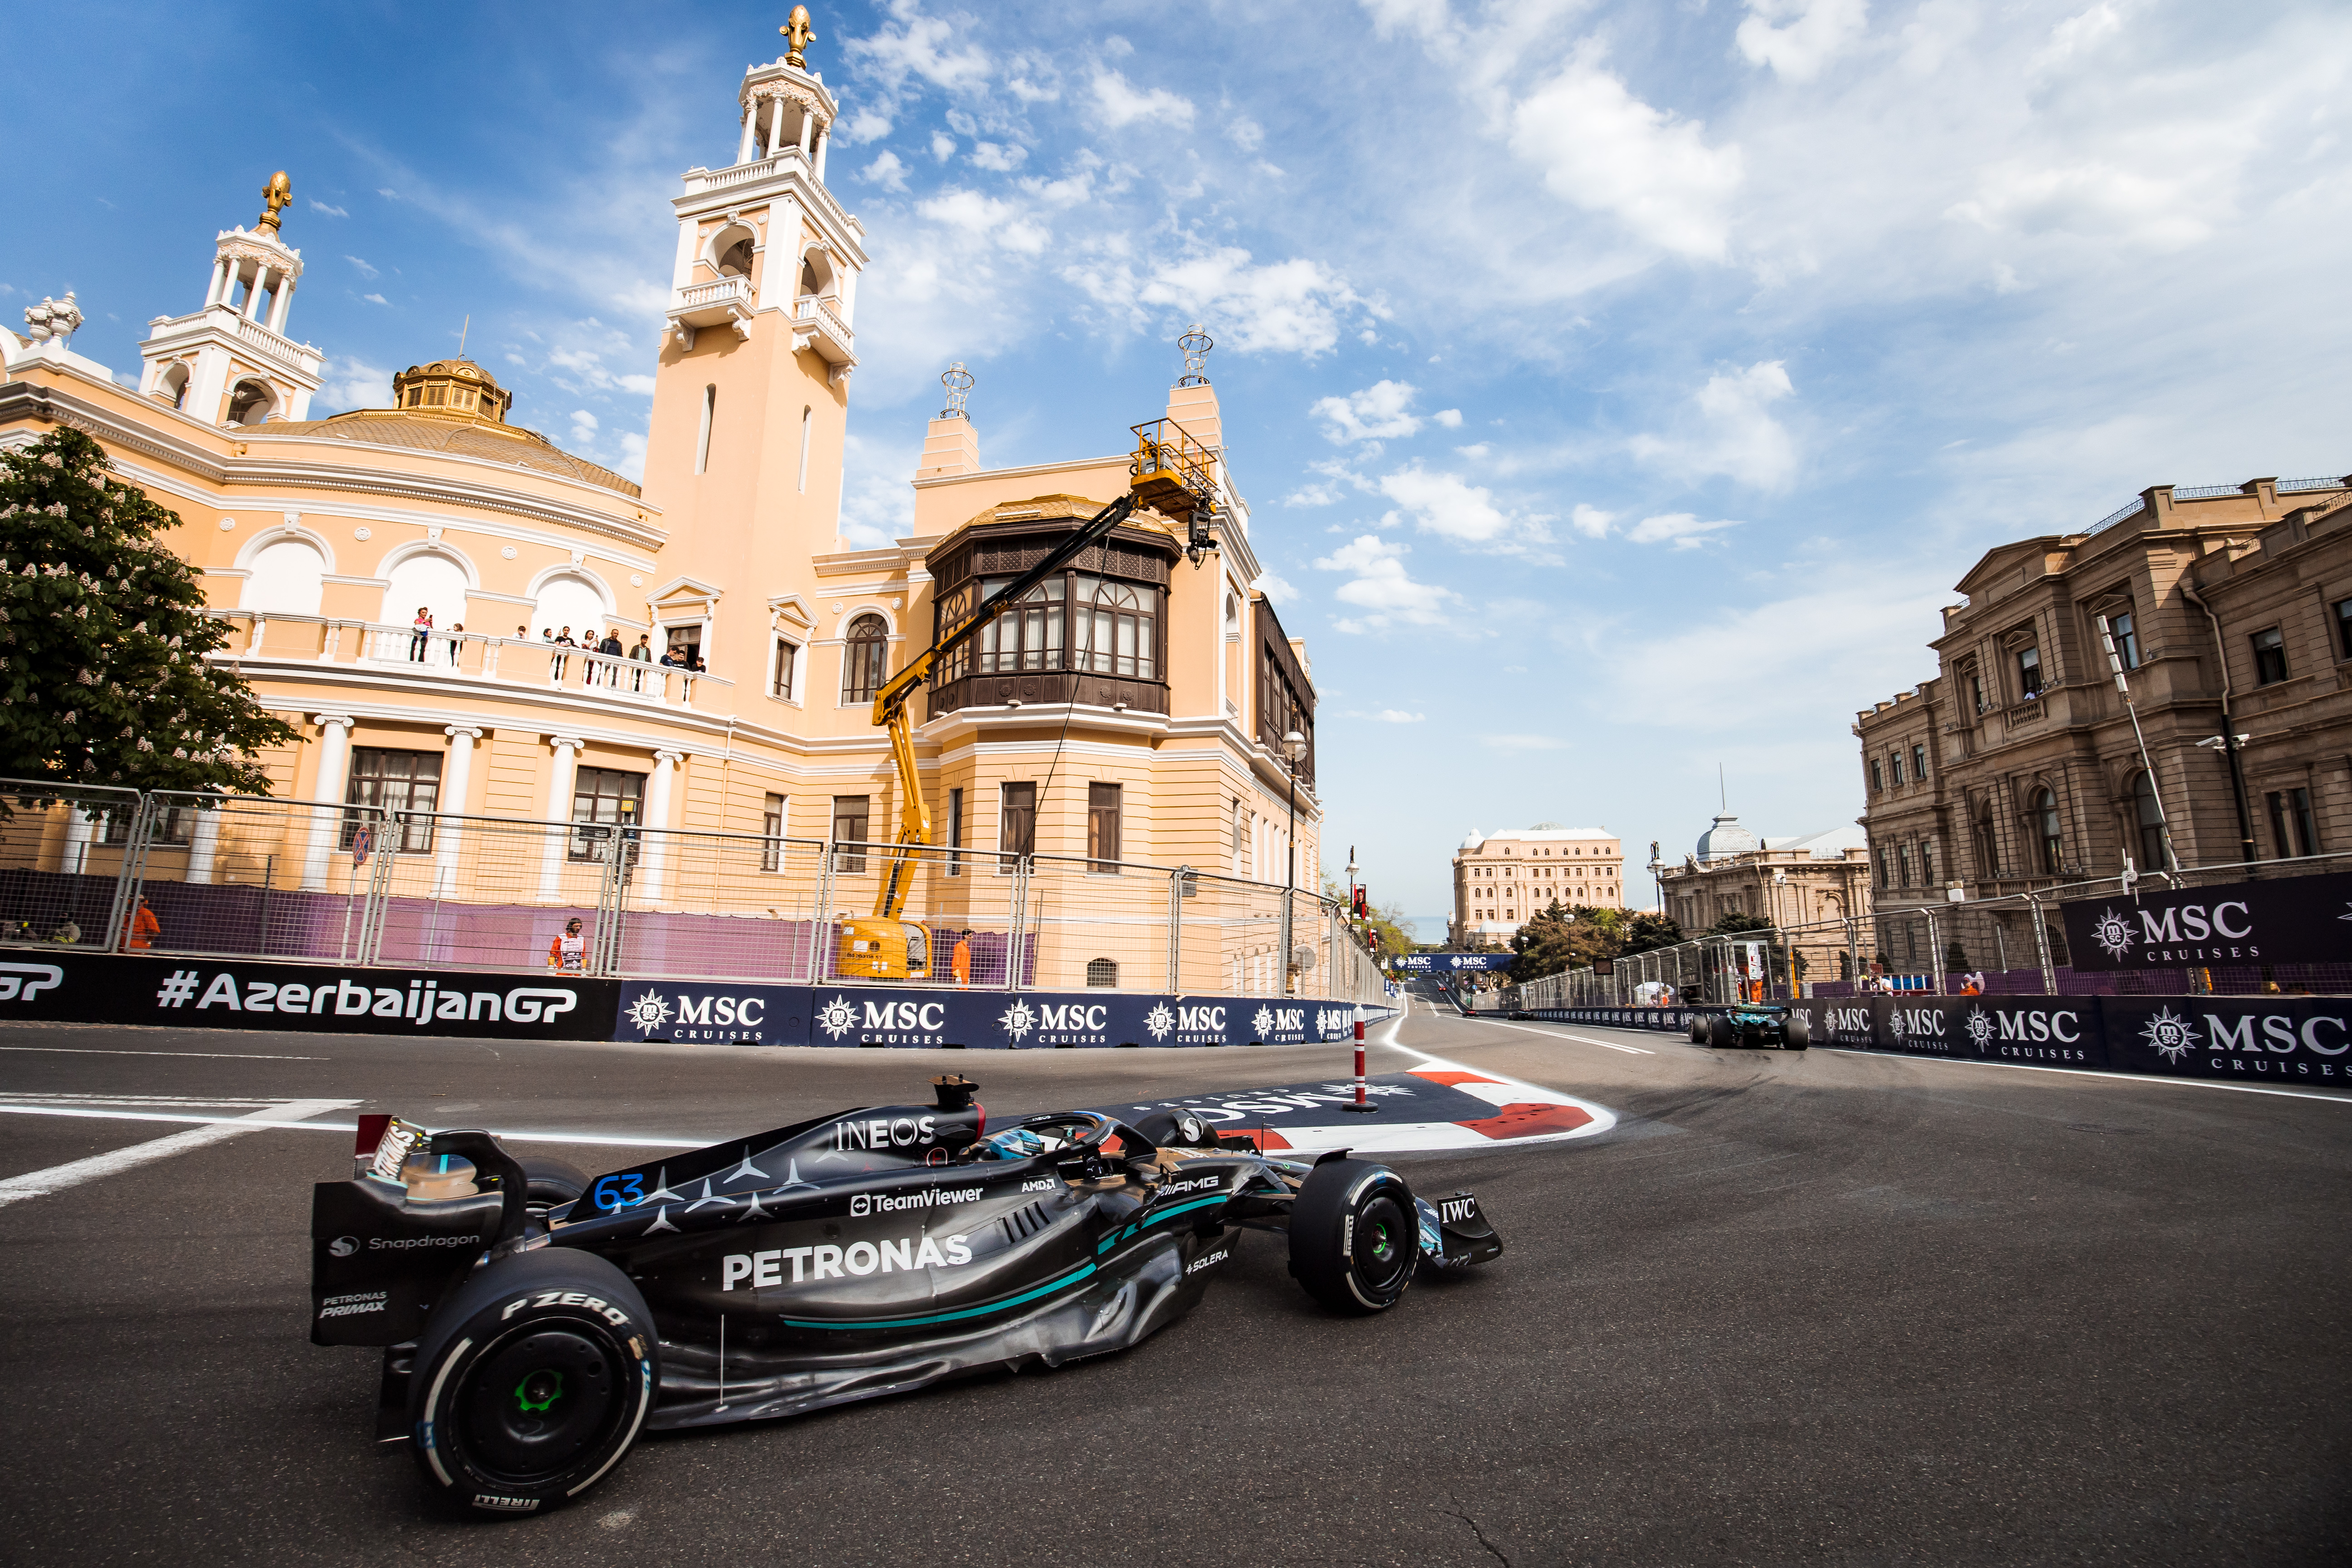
(985, 218)
(351, 384)
(1001, 158)
(633, 456)
(1244, 133)
(1682, 530)
(1449, 505)
(1606, 151)
(1282, 307)
(1398, 716)
(583, 423)
(1508, 742)
(1275, 587)
(2155, 208)
(887, 172)
(1451, 418)
(863, 125)
(1734, 434)
(1120, 103)
(1378, 413)
(319, 206)
(1821, 31)
(1590, 520)
(375, 299)
(933, 48)
(944, 145)
(1379, 584)
(364, 268)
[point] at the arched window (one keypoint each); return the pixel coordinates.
(864, 658)
(1116, 631)
(250, 402)
(172, 386)
(566, 601)
(1102, 972)
(2150, 822)
(1987, 845)
(2045, 812)
(735, 261)
(287, 578)
(432, 580)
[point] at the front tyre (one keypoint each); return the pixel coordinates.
(1796, 1033)
(1355, 1236)
(532, 1381)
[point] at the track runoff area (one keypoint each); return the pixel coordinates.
(1754, 1305)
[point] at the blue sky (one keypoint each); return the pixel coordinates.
(1618, 388)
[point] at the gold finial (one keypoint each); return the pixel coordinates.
(801, 33)
(279, 192)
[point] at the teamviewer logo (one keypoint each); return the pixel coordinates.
(177, 989)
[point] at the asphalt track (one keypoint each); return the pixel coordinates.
(1818, 1308)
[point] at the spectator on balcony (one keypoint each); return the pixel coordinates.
(456, 636)
(641, 654)
(420, 632)
(694, 667)
(562, 639)
(611, 649)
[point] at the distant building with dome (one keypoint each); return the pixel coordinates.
(1502, 880)
(1801, 881)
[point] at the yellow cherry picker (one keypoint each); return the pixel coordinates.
(1170, 473)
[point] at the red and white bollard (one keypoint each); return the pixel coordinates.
(1363, 1105)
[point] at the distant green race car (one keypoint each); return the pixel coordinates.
(1751, 1024)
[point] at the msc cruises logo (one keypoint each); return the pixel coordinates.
(1159, 1021)
(1018, 1020)
(648, 1012)
(838, 1017)
(2113, 932)
(2172, 1037)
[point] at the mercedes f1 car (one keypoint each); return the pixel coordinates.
(1751, 1024)
(535, 1322)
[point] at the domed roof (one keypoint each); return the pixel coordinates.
(1474, 839)
(1724, 840)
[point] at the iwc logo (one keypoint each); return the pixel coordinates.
(1018, 1020)
(1980, 1028)
(1263, 1022)
(2172, 1037)
(648, 1012)
(2113, 932)
(1159, 1021)
(838, 1017)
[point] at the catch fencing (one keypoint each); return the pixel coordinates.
(2014, 945)
(262, 878)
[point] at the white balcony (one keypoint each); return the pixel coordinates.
(817, 325)
(726, 301)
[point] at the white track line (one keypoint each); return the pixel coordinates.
(1555, 1034)
(200, 1055)
(57, 1178)
(260, 1118)
(2114, 1078)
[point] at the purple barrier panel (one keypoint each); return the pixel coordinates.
(245, 918)
(502, 936)
(655, 942)
(36, 903)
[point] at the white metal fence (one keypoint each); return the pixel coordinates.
(259, 876)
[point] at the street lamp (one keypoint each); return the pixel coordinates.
(2229, 746)
(1294, 751)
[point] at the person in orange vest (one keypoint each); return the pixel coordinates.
(142, 928)
(963, 960)
(567, 953)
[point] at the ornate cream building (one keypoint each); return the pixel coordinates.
(1135, 712)
(1502, 879)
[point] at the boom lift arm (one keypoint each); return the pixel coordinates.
(1169, 470)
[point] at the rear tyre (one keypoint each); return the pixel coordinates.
(1699, 1030)
(1355, 1236)
(551, 1183)
(1721, 1034)
(1796, 1035)
(531, 1381)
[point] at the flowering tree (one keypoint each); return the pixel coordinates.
(103, 634)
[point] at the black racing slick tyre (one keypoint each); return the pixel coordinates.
(1720, 1034)
(531, 1381)
(551, 1183)
(1699, 1030)
(1355, 1236)
(1796, 1033)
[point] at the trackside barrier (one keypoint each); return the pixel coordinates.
(263, 878)
(2268, 1040)
(2013, 945)
(210, 991)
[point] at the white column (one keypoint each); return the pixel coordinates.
(222, 274)
(653, 866)
(80, 830)
(775, 125)
(808, 132)
(750, 133)
(204, 846)
(285, 303)
(457, 772)
(823, 141)
(334, 759)
(253, 298)
(558, 808)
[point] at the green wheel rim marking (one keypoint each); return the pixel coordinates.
(522, 1390)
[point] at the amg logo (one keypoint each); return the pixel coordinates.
(1195, 1184)
(882, 1132)
(1454, 1211)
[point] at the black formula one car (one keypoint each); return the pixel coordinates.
(535, 1322)
(1752, 1023)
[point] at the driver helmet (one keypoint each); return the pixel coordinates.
(1021, 1144)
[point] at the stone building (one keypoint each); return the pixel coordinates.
(1136, 714)
(2016, 767)
(1501, 880)
(1803, 881)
